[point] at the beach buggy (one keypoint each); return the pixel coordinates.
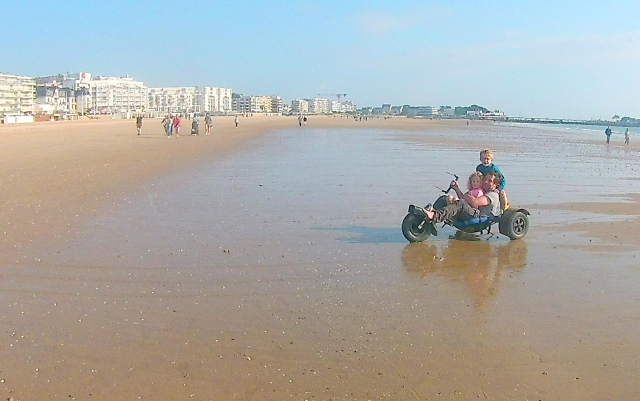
(513, 222)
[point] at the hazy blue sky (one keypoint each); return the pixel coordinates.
(537, 58)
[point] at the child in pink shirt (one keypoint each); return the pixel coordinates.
(474, 185)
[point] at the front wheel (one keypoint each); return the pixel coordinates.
(514, 224)
(414, 228)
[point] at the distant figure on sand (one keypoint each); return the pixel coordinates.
(207, 124)
(300, 121)
(167, 122)
(626, 137)
(177, 122)
(195, 125)
(304, 120)
(237, 121)
(139, 124)
(607, 132)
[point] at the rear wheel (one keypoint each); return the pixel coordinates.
(514, 224)
(414, 228)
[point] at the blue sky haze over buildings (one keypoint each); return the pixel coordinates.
(542, 59)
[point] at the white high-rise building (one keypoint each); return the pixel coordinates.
(214, 99)
(300, 106)
(319, 106)
(258, 104)
(17, 94)
(347, 107)
(179, 99)
(190, 99)
(277, 104)
(117, 95)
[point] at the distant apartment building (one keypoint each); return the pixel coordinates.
(348, 107)
(264, 104)
(214, 99)
(277, 105)
(17, 94)
(300, 106)
(420, 111)
(117, 95)
(396, 110)
(242, 104)
(190, 99)
(64, 93)
(172, 100)
(448, 112)
(258, 104)
(319, 106)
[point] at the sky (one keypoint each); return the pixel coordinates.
(556, 59)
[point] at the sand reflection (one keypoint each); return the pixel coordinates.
(477, 265)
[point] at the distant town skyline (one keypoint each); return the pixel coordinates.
(541, 59)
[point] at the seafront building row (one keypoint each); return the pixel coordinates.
(108, 95)
(82, 93)
(473, 111)
(72, 94)
(321, 106)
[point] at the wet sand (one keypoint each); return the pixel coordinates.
(267, 263)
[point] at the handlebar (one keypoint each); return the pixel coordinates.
(446, 191)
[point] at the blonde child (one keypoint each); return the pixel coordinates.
(474, 185)
(486, 165)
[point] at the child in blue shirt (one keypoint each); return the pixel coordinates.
(486, 160)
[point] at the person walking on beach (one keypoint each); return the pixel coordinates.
(195, 125)
(300, 121)
(237, 121)
(139, 124)
(626, 137)
(167, 122)
(207, 124)
(177, 122)
(607, 132)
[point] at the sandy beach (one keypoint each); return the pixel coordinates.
(266, 263)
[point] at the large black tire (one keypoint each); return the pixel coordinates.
(411, 228)
(514, 224)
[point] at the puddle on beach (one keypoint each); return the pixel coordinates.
(281, 271)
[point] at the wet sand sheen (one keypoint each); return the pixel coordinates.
(280, 271)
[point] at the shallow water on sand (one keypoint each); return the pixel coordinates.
(281, 271)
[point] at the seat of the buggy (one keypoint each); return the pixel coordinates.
(475, 224)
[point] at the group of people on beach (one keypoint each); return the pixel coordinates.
(486, 195)
(172, 124)
(608, 133)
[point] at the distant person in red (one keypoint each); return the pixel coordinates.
(177, 122)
